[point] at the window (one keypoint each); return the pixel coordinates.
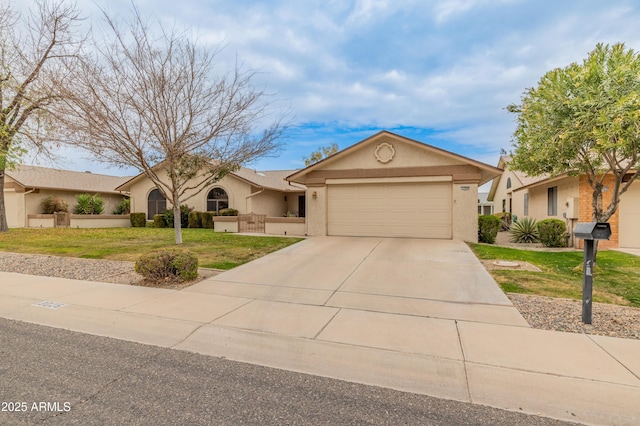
(217, 199)
(504, 206)
(526, 204)
(552, 201)
(156, 204)
(508, 183)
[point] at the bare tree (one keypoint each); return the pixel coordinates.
(33, 51)
(151, 101)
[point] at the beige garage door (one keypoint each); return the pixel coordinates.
(421, 210)
(630, 217)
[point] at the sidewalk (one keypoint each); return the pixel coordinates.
(581, 378)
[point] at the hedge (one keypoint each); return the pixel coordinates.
(488, 227)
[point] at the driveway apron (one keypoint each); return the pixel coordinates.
(414, 277)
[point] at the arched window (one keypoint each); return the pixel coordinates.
(508, 183)
(217, 199)
(156, 204)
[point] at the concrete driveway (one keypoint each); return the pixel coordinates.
(416, 277)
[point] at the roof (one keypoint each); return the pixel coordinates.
(273, 179)
(487, 172)
(523, 179)
(482, 198)
(47, 178)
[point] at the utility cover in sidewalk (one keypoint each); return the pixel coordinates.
(50, 305)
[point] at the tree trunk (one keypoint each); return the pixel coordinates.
(3, 211)
(177, 223)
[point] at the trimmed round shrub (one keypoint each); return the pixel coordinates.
(207, 219)
(138, 220)
(488, 227)
(228, 212)
(168, 264)
(195, 219)
(160, 221)
(51, 205)
(525, 231)
(553, 233)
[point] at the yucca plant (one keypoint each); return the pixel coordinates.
(525, 230)
(88, 204)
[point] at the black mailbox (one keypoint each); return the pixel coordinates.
(592, 230)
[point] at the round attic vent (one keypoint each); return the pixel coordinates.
(385, 152)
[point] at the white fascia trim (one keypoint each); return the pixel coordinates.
(416, 179)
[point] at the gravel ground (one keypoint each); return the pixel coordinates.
(549, 313)
(107, 271)
(540, 312)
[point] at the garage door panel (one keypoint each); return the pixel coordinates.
(393, 210)
(629, 234)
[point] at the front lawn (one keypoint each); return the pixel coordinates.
(214, 249)
(616, 278)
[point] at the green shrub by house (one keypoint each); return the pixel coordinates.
(124, 207)
(228, 212)
(195, 219)
(138, 220)
(88, 204)
(207, 219)
(160, 221)
(168, 264)
(51, 205)
(184, 216)
(488, 227)
(524, 230)
(553, 232)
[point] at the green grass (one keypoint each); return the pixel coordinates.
(214, 249)
(616, 277)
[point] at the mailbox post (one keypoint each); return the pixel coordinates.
(589, 232)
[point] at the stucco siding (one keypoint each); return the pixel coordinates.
(14, 207)
(406, 155)
(33, 201)
(538, 198)
(236, 189)
(271, 203)
(465, 225)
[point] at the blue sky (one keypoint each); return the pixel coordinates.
(441, 72)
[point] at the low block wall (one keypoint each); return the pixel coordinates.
(285, 226)
(80, 221)
(100, 221)
(225, 223)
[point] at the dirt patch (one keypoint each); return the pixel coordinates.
(511, 265)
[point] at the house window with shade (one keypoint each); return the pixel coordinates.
(552, 201)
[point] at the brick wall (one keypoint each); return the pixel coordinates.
(586, 210)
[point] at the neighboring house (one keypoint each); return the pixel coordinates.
(391, 186)
(484, 205)
(27, 186)
(567, 198)
(248, 191)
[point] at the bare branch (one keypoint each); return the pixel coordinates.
(150, 99)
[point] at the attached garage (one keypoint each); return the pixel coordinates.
(629, 234)
(417, 209)
(391, 186)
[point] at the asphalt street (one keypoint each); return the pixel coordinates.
(55, 376)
